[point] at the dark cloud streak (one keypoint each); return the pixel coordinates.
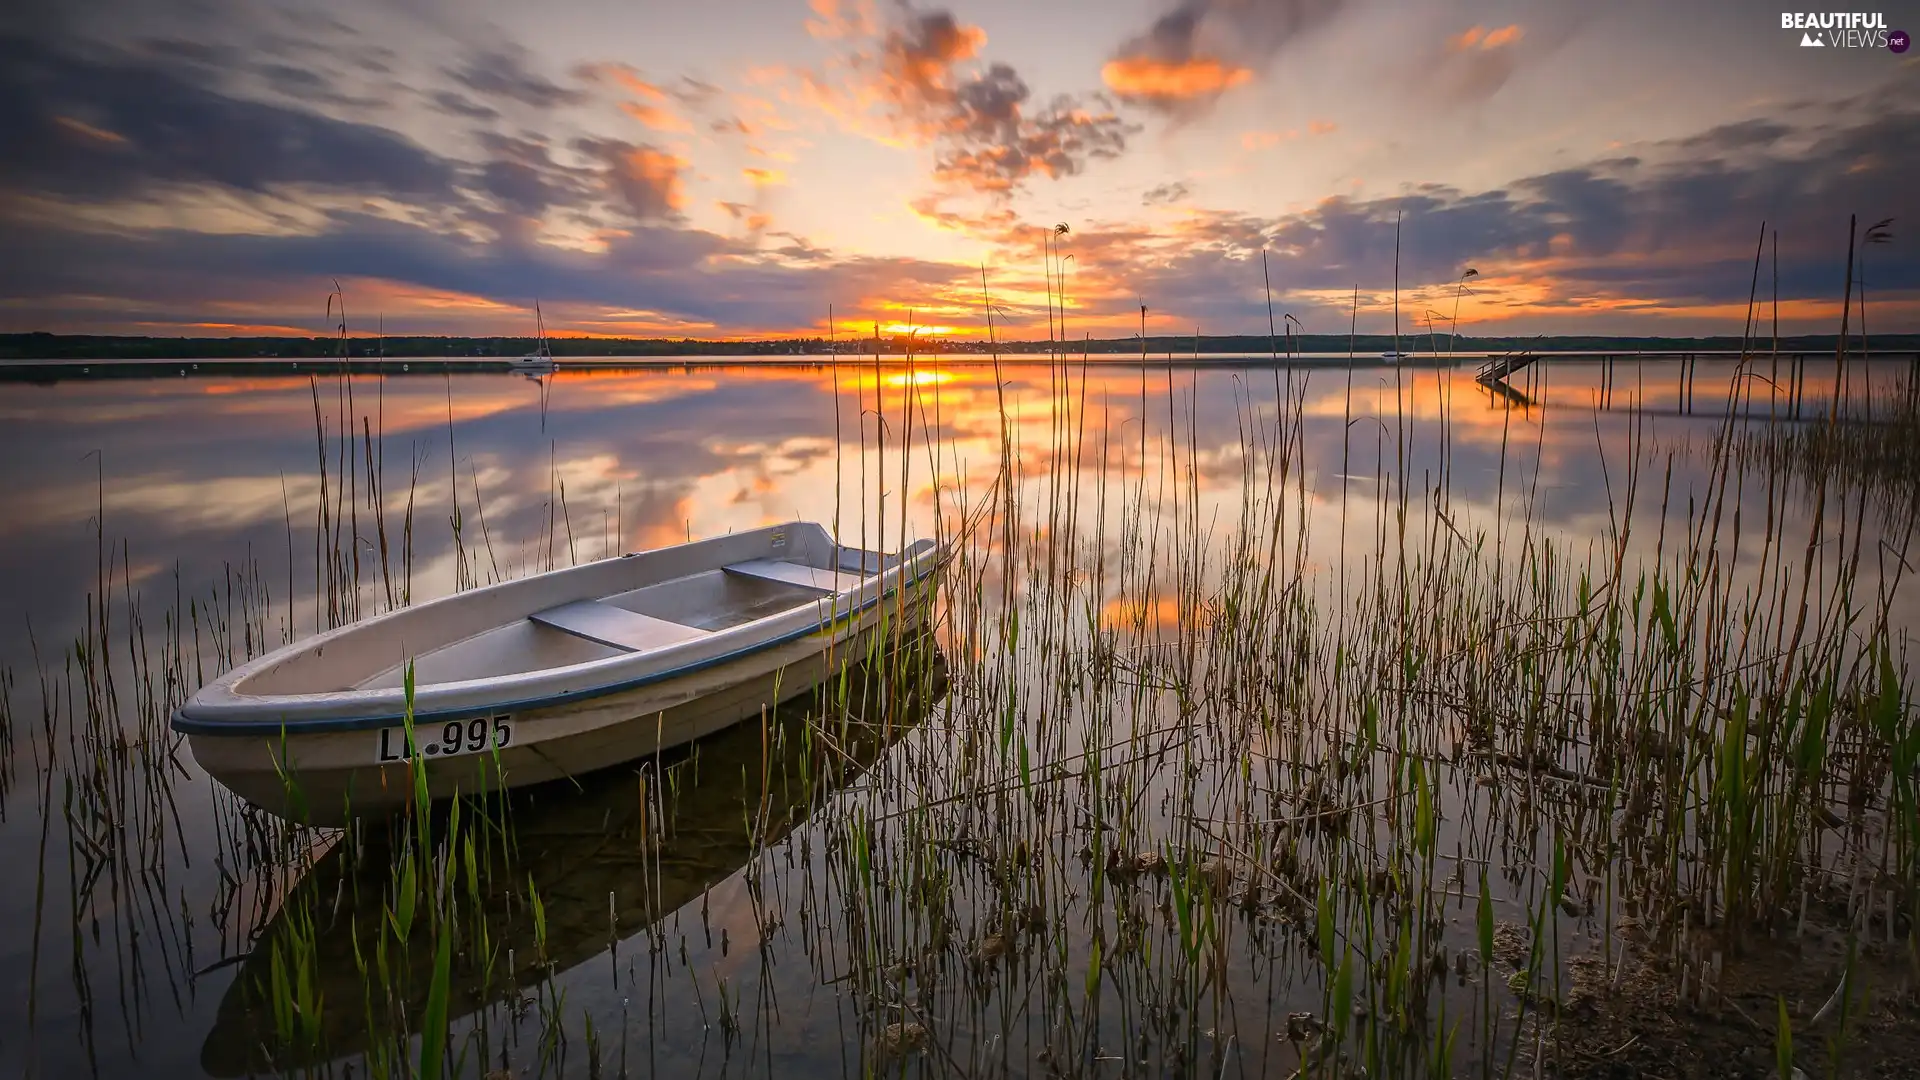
(502, 75)
(1164, 195)
(1664, 231)
(118, 126)
(686, 273)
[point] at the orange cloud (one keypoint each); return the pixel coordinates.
(654, 116)
(1478, 37)
(227, 329)
(629, 80)
(1170, 80)
(649, 179)
(909, 71)
(836, 19)
(907, 90)
(1322, 127)
(990, 223)
(1267, 140)
(1504, 36)
(920, 64)
(756, 221)
(1476, 63)
(764, 177)
(648, 103)
(758, 112)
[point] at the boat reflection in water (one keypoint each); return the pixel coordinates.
(636, 842)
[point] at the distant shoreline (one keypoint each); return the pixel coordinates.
(77, 369)
(490, 353)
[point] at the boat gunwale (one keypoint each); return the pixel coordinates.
(924, 563)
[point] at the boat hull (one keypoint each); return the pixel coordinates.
(332, 778)
(575, 850)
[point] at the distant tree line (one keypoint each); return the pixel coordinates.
(42, 346)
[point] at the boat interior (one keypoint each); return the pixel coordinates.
(655, 615)
(638, 620)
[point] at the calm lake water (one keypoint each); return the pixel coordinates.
(137, 887)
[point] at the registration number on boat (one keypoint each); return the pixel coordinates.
(455, 737)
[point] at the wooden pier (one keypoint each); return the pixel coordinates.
(1785, 370)
(1498, 368)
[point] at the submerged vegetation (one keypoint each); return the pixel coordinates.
(1213, 755)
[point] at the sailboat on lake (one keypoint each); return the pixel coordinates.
(541, 358)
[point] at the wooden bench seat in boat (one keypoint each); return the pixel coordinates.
(808, 577)
(616, 627)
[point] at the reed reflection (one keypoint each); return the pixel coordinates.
(544, 880)
(236, 514)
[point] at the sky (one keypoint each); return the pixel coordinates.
(755, 168)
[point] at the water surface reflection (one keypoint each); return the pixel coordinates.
(229, 514)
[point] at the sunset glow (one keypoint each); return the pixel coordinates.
(752, 539)
(649, 173)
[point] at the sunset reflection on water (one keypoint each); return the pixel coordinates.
(199, 473)
(181, 485)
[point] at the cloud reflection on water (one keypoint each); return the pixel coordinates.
(198, 476)
(206, 473)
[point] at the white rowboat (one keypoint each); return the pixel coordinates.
(550, 676)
